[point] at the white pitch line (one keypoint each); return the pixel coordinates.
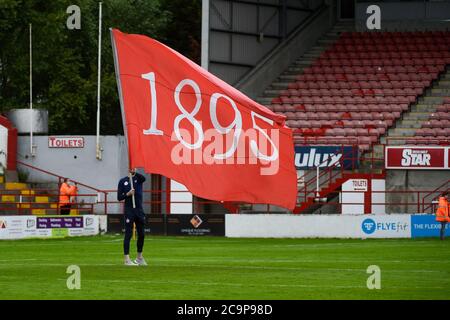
(378, 261)
(57, 265)
(9, 260)
(224, 266)
(192, 283)
(304, 269)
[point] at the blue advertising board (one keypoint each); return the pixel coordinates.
(307, 157)
(425, 225)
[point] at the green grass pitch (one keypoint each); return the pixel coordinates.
(226, 268)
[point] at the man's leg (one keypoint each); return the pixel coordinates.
(65, 209)
(127, 238)
(442, 235)
(140, 228)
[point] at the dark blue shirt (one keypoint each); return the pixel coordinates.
(125, 186)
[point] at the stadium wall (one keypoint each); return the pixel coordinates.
(230, 225)
(318, 226)
(77, 163)
(411, 180)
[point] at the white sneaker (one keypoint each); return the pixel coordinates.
(130, 263)
(140, 262)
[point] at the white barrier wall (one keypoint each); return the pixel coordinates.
(378, 197)
(318, 226)
(180, 198)
(353, 192)
(353, 197)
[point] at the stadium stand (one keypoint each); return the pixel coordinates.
(367, 85)
(35, 199)
(436, 129)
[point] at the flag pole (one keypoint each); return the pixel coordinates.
(31, 93)
(119, 88)
(98, 148)
(130, 177)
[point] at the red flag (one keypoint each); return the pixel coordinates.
(188, 125)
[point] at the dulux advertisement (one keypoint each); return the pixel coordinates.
(307, 157)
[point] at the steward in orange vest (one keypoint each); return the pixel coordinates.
(67, 194)
(442, 213)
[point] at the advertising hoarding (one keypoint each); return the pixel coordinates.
(422, 158)
(20, 227)
(308, 157)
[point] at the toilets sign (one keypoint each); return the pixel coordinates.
(65, 142)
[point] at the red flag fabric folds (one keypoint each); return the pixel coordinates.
(188, 125)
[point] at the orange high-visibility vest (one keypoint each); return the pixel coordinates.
(65, 193)
(73, 193)
(442, 210)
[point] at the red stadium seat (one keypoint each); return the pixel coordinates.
(363, 83)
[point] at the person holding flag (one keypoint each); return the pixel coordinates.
(173, 109)
(130, 190)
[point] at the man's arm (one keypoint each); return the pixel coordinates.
(140, 178)
(63, 189)
(121, 194)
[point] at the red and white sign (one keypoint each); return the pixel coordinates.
(359, 185)
(65, 142)
(185, 123)
(403, 157)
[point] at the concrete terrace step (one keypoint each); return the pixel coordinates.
(440, 92)
(302, 63)
(430, 100)
(402, 131)
(271, 93)
(420, 116)
(423, 108)
(279, 85)
(293, 72)
(409, 124)
(318, 49)
(287, 77)
(264, 101)
(312, 55)
(395, 140)
(326, 41)
(443, 84)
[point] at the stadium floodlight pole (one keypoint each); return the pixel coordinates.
(205, 35)
(98, 148)
(119, 88)
(31, 93)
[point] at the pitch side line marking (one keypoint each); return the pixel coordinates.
(190, 283)
(218, 266)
